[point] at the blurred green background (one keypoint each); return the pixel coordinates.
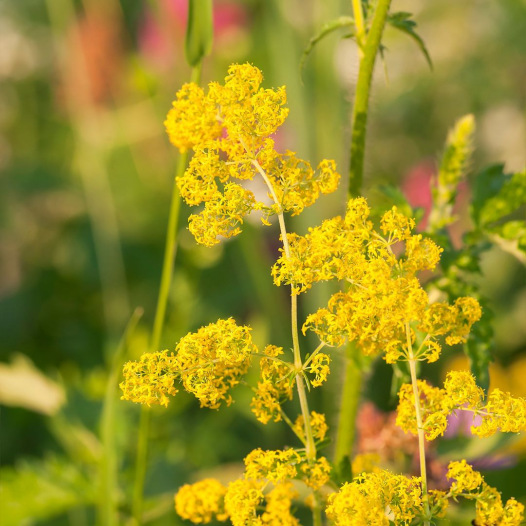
(85, 182)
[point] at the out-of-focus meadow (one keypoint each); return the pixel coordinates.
(86, 178)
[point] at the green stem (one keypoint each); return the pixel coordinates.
(353, 373)
(169, 256)
(109, 462)
(160, 312)
(348, 406)
(310, 445)
(359, 23)
(361, 100)
(419, 425)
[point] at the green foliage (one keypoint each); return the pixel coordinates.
(43, 489)
(200, 31)
(346, 22)
(498, 208)
(402, 21)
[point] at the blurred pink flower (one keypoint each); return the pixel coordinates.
(417, 188)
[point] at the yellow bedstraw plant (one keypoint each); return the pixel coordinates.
(382, 307)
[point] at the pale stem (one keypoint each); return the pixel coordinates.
(310, 445)
(419, 424)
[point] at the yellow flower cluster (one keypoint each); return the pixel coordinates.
(229, 129)
(285, 465)
(241, 501)
(225, 211)
(319, 367)
(276, 466)
(490, 510)
(212, 360)
(376, 499)
(318, 424)
(384, 294)
(278, 503)
(201, 502)
(499, 411)
(274, 387)
(149, 380)
(208, 363)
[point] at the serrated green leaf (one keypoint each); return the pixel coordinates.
(485, 185)
(327, 29)
(511, 196)
(479, 346)
(402, 21)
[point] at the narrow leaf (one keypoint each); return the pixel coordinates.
(402, 21)
(327, 29)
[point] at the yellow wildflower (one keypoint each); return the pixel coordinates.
(466, 479)
(277, 506)
(316, 473)
(149, 380)
(229, 129)
(241, 501)
(212, 360)
(317, 422)
(275, 466)
(222, 215)
(274, 387)
(376, 499)
(201, 502)
(192, 119)
(501, 412)
(319, 366)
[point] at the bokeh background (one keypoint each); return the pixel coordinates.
(86, 173)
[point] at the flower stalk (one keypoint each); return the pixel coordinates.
(368, 45)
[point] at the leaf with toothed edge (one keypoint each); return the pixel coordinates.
(402, 21)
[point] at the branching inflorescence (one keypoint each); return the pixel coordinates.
(382, 307)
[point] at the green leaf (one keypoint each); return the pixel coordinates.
(343, 471)
(383, 197)
(327, 29)
(499, 208)
(43, 489)
(199, 31)
(487, 184)
(479, 346)
(402, 21)
(511, 196)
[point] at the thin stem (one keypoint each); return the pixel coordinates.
(419, 424)
(160, 314)
(316, 351)
(350, 399)
(169, 256)
(109, 462)
(310, 445)
(361, 101)
(353, 372)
